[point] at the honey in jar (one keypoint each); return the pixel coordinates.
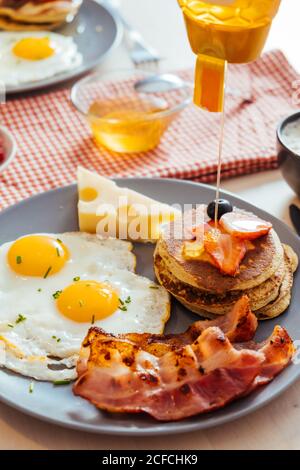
(221, 31)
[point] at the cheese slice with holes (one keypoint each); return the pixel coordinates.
(110, 210)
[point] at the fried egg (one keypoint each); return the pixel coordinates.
(54, 287)
(33, 56)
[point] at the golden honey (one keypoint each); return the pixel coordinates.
(128, 124)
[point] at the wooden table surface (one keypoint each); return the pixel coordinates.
(277, 425)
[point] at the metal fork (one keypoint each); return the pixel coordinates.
(140, 53)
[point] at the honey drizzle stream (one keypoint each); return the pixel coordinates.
(220, 152)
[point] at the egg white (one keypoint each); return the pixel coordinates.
(15, 70)
(31, 347)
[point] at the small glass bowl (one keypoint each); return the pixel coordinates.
(122, 119)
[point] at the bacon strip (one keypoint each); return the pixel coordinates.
(174, 377)
(278, 350)
(239, 326)
(209, 373)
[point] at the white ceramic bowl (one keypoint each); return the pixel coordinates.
(10, 147)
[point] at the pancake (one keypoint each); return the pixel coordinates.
(283, 299)
(258, 265)
(265, 274)
(200, 301)
(292, 256)
(267, 300)
(9, 25)
(36, 14)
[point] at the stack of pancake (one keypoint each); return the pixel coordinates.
(22, 15)
(265, 275)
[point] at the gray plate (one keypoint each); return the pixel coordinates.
(94, 45)
(55, 211)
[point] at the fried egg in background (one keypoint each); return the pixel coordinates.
(33, 56)
(53, 287)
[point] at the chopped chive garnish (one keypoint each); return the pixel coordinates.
(93, 319)
(39, 290)
(59, 240)
(153, 287)
(10, 325)
(62, 382)
(31, 387)
(47, 272)
(57, 294)
(122, 305)
(19, 259)
(20, 318)
(58, 340)
(76, 279)
(58, 252)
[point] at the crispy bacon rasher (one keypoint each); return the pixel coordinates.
(176, 376)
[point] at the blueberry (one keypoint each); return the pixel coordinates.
(224, 206)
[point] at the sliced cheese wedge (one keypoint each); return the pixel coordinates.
(109, 210)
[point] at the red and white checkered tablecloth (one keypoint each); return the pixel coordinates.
(53, 139)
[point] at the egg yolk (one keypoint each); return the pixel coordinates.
(37, 255)
(87, 301)
(33, 48)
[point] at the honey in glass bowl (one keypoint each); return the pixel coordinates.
(121, 118)
(128, 124)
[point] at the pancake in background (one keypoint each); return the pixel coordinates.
(23, 15)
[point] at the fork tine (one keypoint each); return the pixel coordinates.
(140, 52)
(149, 65)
